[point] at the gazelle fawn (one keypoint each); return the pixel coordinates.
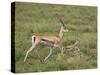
(74, 46)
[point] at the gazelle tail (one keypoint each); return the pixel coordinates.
(33, 39)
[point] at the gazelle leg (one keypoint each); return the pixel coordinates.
(48, 54)
(78, 49)
(30, 50)
(38, 55)
(58, 46)
(62, 49)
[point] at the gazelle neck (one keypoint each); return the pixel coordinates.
(61, 33)
(76, 43)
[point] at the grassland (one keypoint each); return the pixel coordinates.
(41, 18)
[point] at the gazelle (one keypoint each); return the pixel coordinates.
(72, 47)
(52, 40)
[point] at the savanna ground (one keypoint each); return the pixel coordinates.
(33, 18)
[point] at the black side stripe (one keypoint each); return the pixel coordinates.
(48, 41)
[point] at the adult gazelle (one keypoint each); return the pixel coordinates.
(52, 40)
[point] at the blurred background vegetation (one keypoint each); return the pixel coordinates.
(33, 18)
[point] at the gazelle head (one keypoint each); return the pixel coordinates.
(77, 41)
(63, 27)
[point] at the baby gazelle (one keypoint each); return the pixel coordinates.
(72, 47)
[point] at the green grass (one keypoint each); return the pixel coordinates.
(33, 18)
